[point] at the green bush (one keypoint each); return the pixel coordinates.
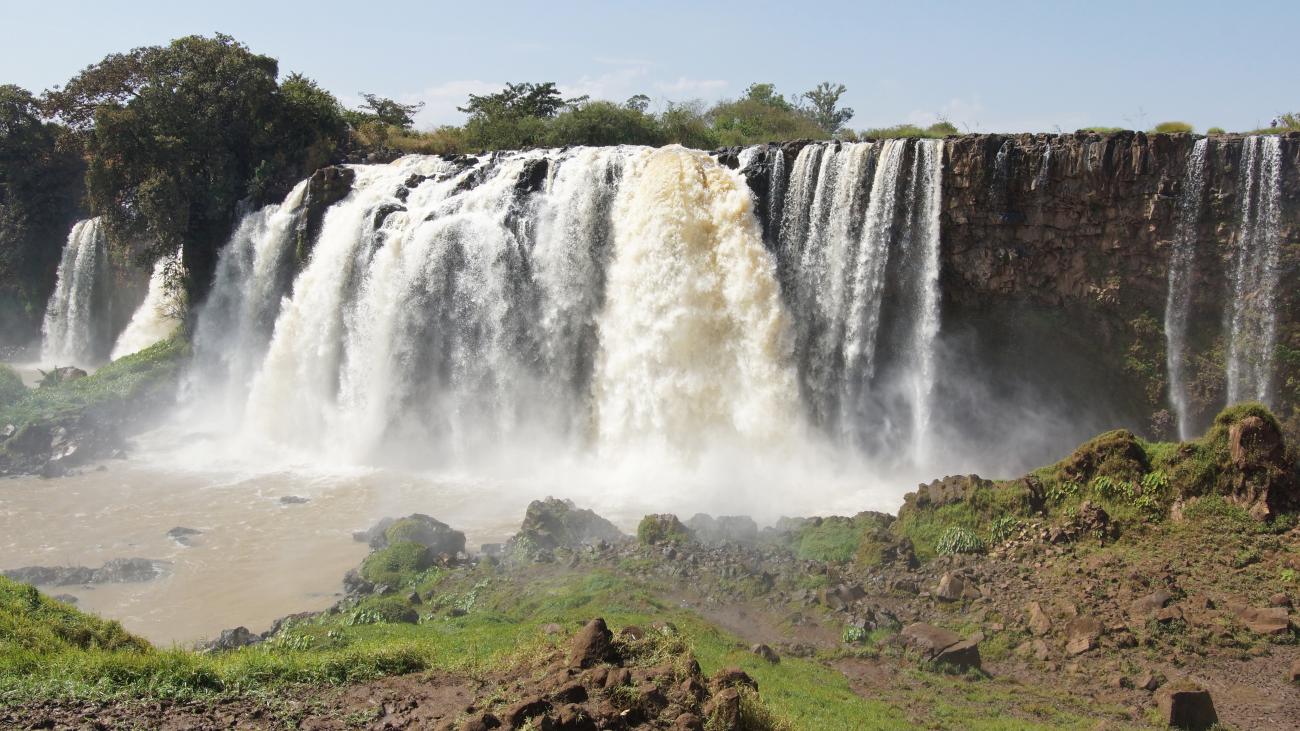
(397, 564)
(11, 386)
(1172, 128)
(384, 610)
(659, 529)
(959, 540)
(1215, 131)
(604, 123)
(937, 130)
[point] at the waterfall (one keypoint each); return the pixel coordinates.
(851, 209)
(1179, 297)
(693, 338)
(1255, 272)
(254, 272)
(161, 313)
(76, 318)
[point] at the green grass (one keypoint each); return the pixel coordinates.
(1172, 128)
(129, 380)
(834, 539)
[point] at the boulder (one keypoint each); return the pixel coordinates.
(1185, 705)
(1266, 620)
(1146, 607)
(429, 532)
(550, 524)
(724, 529)
(663, 529)
(1039, 623)
(592, 645)
(942, 646)
(1082, 634)
(766, 653)
(233, 639)
(953, 587)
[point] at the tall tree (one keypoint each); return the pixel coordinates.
(178, 135)
(40, 194)
(822, 104)
(391, 112)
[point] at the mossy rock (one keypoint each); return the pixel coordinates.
(1116, 454)
(417, 528)
(397, 564)
(663, 529)
(551, 523)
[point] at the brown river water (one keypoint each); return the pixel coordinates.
(255, 560)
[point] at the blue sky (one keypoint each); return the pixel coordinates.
(989, 67)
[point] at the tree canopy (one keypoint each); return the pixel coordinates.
(177, 135)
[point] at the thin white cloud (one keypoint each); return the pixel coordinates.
(691, 88)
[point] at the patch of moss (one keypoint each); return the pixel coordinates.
(398, 564)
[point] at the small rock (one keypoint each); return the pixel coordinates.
(1082, 634)
(1039, 623)
(1294, 674)
(293, 500)
(766, 653)
(1265, 621)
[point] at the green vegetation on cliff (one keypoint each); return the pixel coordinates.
(130, 382)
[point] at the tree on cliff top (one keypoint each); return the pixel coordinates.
(177, 135)
(823, 106)
(40, 195)
(389, 111)
(762, 115)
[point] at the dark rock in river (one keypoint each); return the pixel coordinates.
(115, 571)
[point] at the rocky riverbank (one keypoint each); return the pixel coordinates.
(1132, 585)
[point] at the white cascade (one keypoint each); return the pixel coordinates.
(1255, 272)
(694, 340)
(76, 319)
(1178, 300)
(161, 313)
(854, 213)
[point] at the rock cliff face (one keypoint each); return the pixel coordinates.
(1055, 254)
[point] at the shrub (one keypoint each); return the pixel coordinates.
(397, 564)
(11, 386)
(959, 540)
(384, 610)
(1172, 128)
(1215, 131)
(1002, 527)
(666, 528)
